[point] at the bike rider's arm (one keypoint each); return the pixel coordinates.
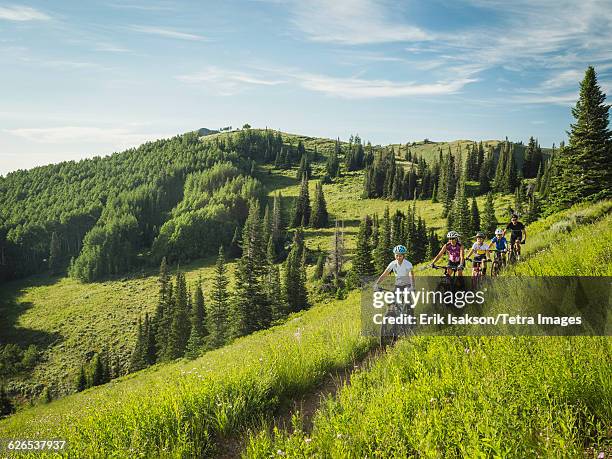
(382, 276)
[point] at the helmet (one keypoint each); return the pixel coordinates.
(452, 235)
(400, 249)
(499, 231)
(480, 234)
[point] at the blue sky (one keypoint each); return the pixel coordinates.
(88, 78)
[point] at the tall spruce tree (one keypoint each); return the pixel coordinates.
(489, 221)
(301, 212)
(218, 304)
(137, 361)
(474, 216)
(383, 247)
(179, 326)
(55, 254)
(163, 312)
(363, 263)
(582, 170)
(319, 218)
(6, 406)
(251, 310)
(294, 285)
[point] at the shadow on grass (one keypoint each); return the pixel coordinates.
(11, 309)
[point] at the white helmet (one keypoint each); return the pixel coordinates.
(452, 235)
(499, 231)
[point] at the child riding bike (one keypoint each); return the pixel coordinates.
(518, 233)
(481, 252)
(501, 245)
(455, 252)
(402, 268)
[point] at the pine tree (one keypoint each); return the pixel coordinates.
(461, 211)
(582, 169)
(251, 310)
(137, 361)
(179, 326)
(362, 263)
(518, 200)
(434, 194)
(301, 213)
(332, 166)
(484, 178)
(55, 254)
(6, 406)
(383, 249)
(198, 330)
(304, 170)
(163, 312)
(277, 230)
(294, 285)
(81, 380)
(97, 371)
(319, 267)
(337, 254)
(218, 304)
(320, 218)
(489, 221)
(475, 217)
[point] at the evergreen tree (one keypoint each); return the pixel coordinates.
(163, 315)
(582, 169)
(383, 248)
(149, 350)
(518, 200)
(319, 267)
(251, 309)
(55, 254)
(489, 221)
(320, 218)
(137, 361)
(337, 254)
(474, 217)
(277, 230)
(218, 304)
(179, 326)
(81, 381)
(461, 212)
(332, 166)
(97, 371)
(433, 244)
(434, 194)
(235, 249)
(6, 406)
(294, 285)
(304, 170)
(484, 178)
(533, 209)
(301, 213)
(363, 263)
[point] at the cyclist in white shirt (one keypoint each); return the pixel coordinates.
(402, 268)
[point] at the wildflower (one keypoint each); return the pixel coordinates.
(467, 350)
(307, 440)
(280, 452)
(339, 435)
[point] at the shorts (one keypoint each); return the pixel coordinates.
(453, 264)
(478, 258)
(514, 237)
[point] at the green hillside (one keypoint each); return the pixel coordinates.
(189, 407)
(71, 321)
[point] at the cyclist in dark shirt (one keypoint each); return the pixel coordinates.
(517, 230)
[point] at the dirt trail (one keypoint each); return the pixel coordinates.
(306, 404)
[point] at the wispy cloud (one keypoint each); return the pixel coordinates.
(22, 13)
(227, 82)
(230, 82)
(351, 22)
(117, 137)
(111, 48)
(167, 33)
(357, 88)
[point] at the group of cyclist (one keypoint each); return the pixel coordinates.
(402, 268)
(480, 249)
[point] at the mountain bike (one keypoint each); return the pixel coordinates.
(477, 272)
(450, 282)
(498, 262)
(391, 332)
(515, 252)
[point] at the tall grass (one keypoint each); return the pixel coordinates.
(181, 409)
(464, 397)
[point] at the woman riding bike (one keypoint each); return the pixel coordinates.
(481, 252)
(455, 252)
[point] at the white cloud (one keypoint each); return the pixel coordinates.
(357, 88)
(22, 13)
(226, 82)
(351, 22)
(117, 137)
(167, 33)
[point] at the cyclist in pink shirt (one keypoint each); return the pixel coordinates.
(456, 255)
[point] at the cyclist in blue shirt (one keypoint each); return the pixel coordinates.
(501, 244)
